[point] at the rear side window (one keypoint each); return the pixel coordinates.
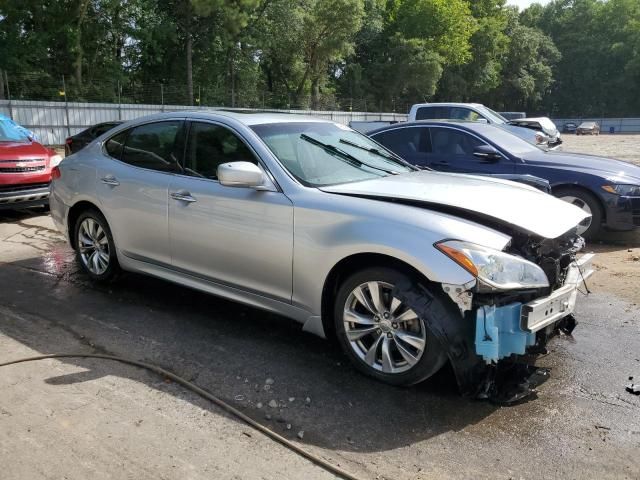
(210, 145)
(432, 113)
(155, 146)
(410, 143)
(115, 144)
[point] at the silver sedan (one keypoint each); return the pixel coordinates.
(407, 269)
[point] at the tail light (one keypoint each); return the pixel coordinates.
(55, 173)
(68, 141)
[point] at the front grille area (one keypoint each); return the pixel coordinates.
(22, 187)
(23, 161)
(21, 169)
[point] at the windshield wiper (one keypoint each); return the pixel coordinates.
(342, 154)
(380, 153)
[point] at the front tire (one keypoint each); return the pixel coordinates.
(95, 248)
(586, 201)
(383, 337)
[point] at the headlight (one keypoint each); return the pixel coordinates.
(624, 190)
(55, 160)
(494, 268)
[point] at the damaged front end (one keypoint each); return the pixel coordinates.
(504, 324)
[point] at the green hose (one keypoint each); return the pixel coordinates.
(203, 393)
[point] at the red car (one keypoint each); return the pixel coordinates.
(25, 167)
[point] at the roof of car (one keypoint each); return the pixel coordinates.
(448, 104)
(248, 117)
(470, 125)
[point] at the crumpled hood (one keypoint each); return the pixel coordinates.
(507, 202)
(545, 122)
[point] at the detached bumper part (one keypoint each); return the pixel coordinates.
(544, 311)
(498, 332)
(510, 329)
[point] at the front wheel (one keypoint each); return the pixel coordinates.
(586, 201)
(383, 337)
(95, 249)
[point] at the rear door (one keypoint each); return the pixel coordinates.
(452, 151)
(236, 236)
(412, 143)
(133, 185)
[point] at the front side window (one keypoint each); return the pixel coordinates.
(210, 145)
(465, 114)
(448, 141)
(155, 146)
(323, 153)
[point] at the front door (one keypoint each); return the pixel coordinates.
(239, 237)
(452, 151)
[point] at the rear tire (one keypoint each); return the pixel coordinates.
(587, 202)
(382, 337)
(95, 248)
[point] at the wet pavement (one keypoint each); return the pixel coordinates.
(85, 417)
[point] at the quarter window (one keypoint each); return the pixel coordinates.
(210, 145)
(115, 144)
(155, 146)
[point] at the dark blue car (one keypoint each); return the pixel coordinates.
(608, 189)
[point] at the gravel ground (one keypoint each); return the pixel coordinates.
(79, 419)
(622, 147)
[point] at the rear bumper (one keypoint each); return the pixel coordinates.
(21, 196)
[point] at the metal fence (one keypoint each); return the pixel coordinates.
(52, 122)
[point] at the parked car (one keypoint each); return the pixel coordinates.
(407, 268)
(570, 127)
(538, 131)
(608, 190)
(25, 167)
(588, 128)
(80, 140)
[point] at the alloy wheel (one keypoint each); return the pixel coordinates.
(382, 331)
(581, 204)
(93, 245)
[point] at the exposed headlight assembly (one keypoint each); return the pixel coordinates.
(623, 190)
(495, 269)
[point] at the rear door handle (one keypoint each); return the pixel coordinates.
(110, 180)
(182, 196)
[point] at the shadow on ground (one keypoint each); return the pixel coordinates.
(224, 347)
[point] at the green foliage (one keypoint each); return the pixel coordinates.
(569, 57)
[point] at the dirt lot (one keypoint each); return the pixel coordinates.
(618, 260)
(81, 419)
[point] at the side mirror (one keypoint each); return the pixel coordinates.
(240, 174)
(487, 153)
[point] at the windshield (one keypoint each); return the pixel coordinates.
(495, 117)
(11, 131)
(510, 142)
(320, 154)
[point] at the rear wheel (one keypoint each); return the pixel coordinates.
(95, 249)
(586, 201)
(383, 337)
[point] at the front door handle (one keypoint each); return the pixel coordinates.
(110, 180)
(182, 196)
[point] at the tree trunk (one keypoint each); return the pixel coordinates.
(82, 13)
(315, 93)
(189, 69)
